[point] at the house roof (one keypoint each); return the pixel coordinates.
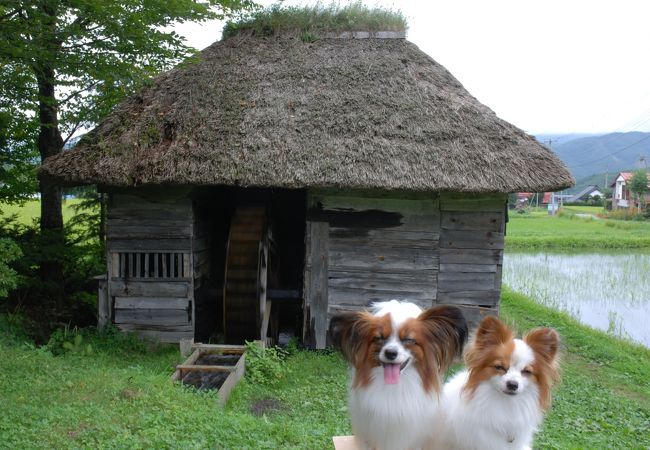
(627, 176)
(281, 112)
(586, 191)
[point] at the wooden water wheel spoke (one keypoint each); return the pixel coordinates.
(246, 275)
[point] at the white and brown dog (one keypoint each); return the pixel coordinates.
(398, 354)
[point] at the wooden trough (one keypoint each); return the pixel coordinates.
(213, 367)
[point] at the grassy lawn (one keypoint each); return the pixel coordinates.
(120, 396)
(539, 230)
(31, 210)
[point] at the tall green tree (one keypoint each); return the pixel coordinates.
(64, 64)
(639, 187)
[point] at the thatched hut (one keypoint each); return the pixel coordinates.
(318, 174)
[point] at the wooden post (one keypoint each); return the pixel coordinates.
(103, 313)
(318, 282)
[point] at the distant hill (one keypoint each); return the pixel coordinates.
(600, 154)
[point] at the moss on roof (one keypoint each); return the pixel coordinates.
(313, 22)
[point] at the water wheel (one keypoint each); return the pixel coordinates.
(245, 283)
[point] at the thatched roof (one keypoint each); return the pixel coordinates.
(282, 112)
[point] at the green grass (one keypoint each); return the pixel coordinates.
(584, 209)
(312, 20)
(30, 211)
(539, 230)
(120, 396)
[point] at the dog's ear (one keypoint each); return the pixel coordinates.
(545, 342)
(447, 330)
(344, 333)
(491, 332)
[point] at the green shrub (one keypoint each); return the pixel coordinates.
(265, 366)
(65, 340)
(9, 252)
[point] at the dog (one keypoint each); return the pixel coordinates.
(499, 401)
(397, 354)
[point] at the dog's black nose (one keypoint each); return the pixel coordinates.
(512, 385)
(390, 354)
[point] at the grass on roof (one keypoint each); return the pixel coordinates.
(316, 19)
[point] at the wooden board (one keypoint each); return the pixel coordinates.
(236, 372)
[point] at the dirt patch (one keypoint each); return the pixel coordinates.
(266, 406)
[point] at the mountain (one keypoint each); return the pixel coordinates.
(600, 154)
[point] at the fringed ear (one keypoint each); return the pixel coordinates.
(345, 334)
(545, 342)
(491, 332)
(446, 329)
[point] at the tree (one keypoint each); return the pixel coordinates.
(639, 186)
(64, 64)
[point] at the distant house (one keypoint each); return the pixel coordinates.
(622, 197)
(587, 193)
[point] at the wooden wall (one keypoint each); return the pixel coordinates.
(150, 262)
(428, 249)
(471, 253)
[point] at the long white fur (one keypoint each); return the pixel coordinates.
(393, 416)
(490, 418)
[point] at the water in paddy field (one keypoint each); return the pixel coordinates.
(608, 291)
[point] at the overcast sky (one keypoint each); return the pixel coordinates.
(547, 66)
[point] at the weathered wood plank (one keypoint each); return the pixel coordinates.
(475, 203)
(470, 256)
(357, 201)
(476, 298)
(232, 380)
(151, 303)
(471, 239)
(470, 220)
(161, 335)
(139, 327)
(425, 282)
(149, 245)
(150, 232)
(459, 281)
(318, 279)
(204, 368)
(426, 234)
(151, 316)
(103, 304)
(382, 259)
(149, 288)
(361, 297)
(352, 242)
(468, 268)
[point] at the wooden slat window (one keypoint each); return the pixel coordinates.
(157, 265)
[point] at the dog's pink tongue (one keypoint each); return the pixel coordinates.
(391, 373)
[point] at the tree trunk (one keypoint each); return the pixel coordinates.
(50, 143)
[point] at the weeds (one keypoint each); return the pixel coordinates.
(265, 366)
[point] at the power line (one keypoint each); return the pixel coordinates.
(611, 154)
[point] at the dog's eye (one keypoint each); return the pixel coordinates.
(500, 368)
(527, 372)
(379, 338)
(409, 341)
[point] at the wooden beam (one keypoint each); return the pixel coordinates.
(204, 368)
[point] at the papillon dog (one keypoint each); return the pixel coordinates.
(499, 401)
(397, 355)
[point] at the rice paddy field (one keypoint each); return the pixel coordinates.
(570, 231)
(607, 290)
